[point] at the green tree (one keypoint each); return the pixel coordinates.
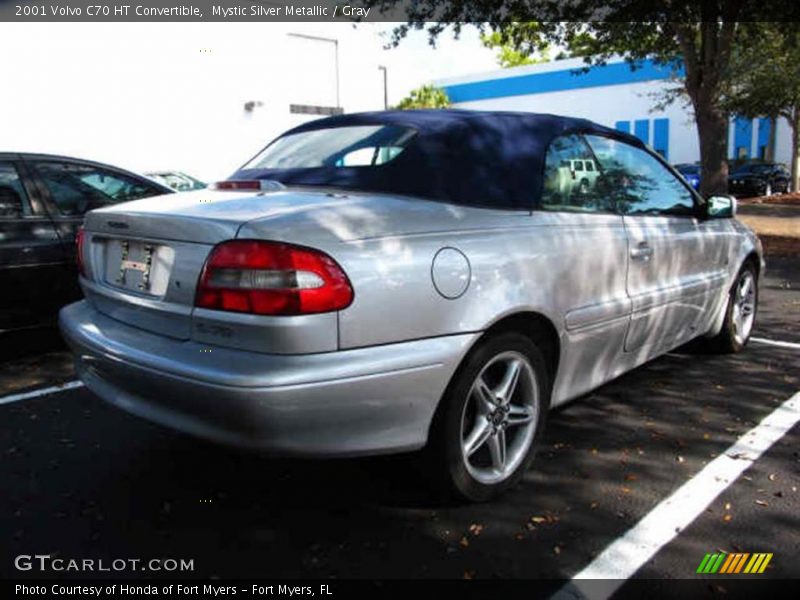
(427, 96)
(765, 81)
(697, 38)
(508, 56)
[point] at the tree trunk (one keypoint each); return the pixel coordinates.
(769, 156)
(795, 124)
(712, 131)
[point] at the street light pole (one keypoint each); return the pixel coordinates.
(385, 86)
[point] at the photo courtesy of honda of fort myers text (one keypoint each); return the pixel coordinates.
(382, 298)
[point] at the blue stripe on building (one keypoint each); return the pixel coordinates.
(742, 138)
(623, 126)
(661, 137)
(764, 126)
(558, 81)
(641, 129)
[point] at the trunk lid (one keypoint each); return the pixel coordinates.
(144, 258)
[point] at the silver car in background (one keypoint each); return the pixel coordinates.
(387, 282)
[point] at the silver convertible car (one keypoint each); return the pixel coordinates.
(388, 282)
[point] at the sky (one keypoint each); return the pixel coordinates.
(160, 96)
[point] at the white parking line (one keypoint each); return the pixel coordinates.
(70, 385)
(623, 557)
(775, 343)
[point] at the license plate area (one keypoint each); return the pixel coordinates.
(138, 266)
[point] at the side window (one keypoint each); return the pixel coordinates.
(77, 188)
(13, 198)
(570, 178)
(637, 182)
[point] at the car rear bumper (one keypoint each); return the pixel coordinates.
(352, 402)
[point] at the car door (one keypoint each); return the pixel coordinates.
(677, 262)
(71, 188)
(31, 257)
(585, 247)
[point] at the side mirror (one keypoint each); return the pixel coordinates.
(721, 207)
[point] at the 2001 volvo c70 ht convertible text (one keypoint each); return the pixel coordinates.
(384, 282)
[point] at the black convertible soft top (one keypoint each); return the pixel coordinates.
(479, 158)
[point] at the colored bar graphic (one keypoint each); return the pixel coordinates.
(765, 563)
(741, 562)
(703, 563)
(718, 563)
(727, 564)
(730, 564)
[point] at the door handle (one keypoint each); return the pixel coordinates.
(642, 251)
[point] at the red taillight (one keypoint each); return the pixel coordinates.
(272, 278)
(233, 184)
(79, 252)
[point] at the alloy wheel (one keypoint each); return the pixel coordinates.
(744, 307)
(500, 418)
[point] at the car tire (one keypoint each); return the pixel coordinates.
(484, 437)
(740, 313)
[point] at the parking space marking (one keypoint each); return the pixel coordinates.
(70, 385)
(775, 343)
(624, 556)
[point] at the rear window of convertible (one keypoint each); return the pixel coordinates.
(356, 146)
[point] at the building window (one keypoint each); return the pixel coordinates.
(661, 137)
(742, 137)
(641, 129)
(623, 126)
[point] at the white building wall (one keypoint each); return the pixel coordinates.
(172, 96)
(609, 104)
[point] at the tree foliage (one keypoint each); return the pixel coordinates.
(510, 55)
(427, 96)
(765, 80)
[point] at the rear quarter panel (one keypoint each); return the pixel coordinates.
(569, 268)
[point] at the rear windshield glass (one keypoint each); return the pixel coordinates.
(359, 146)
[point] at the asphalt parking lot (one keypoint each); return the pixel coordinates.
(81, 479)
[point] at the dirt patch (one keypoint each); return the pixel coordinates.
(776, 220)
(793, 198)
(773, 225)
(776, 245)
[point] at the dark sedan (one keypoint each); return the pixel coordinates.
(759, 179)
(691, 173)
(43, 199)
